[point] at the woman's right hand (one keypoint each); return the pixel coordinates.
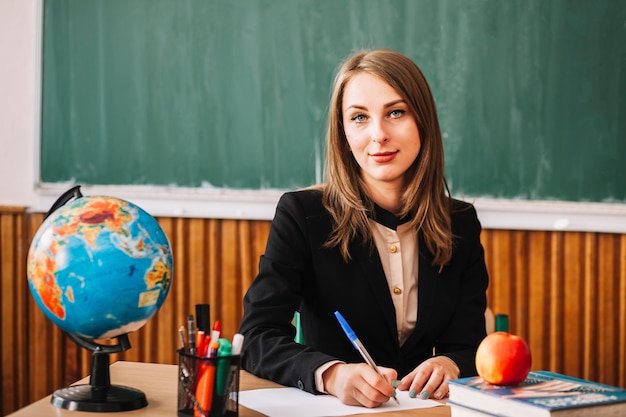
(359, 384)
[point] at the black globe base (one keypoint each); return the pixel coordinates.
(87, 398)
(100, 395)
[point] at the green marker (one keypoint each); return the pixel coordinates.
(221, 376)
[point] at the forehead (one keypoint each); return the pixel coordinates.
(366, 89)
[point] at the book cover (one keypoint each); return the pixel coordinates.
(543, 393)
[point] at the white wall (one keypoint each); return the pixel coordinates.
(20, 62)
(19, 89)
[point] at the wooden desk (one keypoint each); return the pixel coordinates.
(159, 383)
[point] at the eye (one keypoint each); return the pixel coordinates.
(394, 114)
(359, 118)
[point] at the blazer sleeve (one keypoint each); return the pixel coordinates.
(466, 325)
(269, 349)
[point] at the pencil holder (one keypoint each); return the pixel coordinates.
(208, 386)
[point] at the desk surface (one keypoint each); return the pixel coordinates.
(159, 383)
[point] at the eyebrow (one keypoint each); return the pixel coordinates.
(386, 105)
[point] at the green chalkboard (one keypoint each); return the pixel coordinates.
(233, 94)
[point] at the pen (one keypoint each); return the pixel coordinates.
(181, 334)
(191, 334)
(358, 345)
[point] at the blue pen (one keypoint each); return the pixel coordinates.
(357, 344)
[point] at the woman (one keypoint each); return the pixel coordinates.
(382, 243)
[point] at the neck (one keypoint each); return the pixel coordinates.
(386, 196)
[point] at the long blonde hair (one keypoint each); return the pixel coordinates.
(426, 196)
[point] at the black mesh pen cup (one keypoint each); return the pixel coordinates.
(208, 386)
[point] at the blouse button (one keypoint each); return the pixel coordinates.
(393, 249)
(397, 291)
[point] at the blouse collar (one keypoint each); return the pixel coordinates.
(388, 219)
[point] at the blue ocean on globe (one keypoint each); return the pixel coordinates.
(100, 267)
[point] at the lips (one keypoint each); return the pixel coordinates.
(382, 157)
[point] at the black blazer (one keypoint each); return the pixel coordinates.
(298, 273)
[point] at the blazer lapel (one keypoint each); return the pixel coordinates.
(425, 301)
(371, 268)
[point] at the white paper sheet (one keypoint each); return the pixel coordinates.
(290, 402)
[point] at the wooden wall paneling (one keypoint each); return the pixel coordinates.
(198, 245)
(42, 335)
(22, 298)
(555, 300)
(182, 272)
(7, 311)
(225, 245)
(497, 257)
(247, 268)
(565, 293)
(518, 257)
(12, 336)
(215, 251)
(589, 306)
(163, 337)
(538, 277)
(230, 277)
(607, 280)
(573, 313)
(622, 312)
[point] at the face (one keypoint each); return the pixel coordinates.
(381, 131)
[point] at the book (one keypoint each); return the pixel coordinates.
(457, 410)
(541, 394)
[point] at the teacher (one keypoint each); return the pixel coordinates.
(382, 242)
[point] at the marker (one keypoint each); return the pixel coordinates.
(217, 330)
(237, 344)
(358, 345)
(206, 381)
(225, 349)
(203, 348)
(199, 340)
(203, 317)
(222, 375)
(235, 350)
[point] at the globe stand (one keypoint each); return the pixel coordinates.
(99, 395)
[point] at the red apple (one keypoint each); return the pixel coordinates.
(503, 359)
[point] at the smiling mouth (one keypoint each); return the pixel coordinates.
(383, 156)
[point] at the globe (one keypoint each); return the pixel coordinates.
(99, 267)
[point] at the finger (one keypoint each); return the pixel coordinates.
(369, 397)
(372, 391)
(415, 381)
(427, 389)
(388, 374)
(355, 390)
(380, 382)
(442, 392)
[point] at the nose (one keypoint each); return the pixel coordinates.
(378, 132)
